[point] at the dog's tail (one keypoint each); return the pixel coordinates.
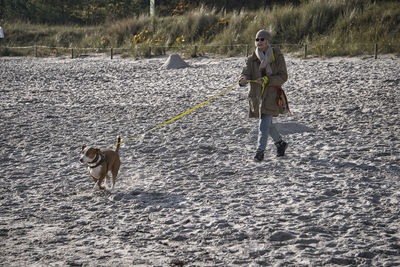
(118, 143)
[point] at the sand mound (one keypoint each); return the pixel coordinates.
(174, 61)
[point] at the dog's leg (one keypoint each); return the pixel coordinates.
(99, 184)
(114, 178)
(95, 180)
(107, 181)
(113, 182)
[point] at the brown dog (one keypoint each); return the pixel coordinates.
(100, 162)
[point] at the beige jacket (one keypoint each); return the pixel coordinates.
(268, 102)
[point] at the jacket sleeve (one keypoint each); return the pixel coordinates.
(247, 69)
(279, 77)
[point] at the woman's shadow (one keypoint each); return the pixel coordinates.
(286, 128)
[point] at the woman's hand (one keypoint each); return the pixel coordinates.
(263, 81)
(243, 81)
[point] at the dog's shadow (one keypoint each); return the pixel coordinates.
(145, 198)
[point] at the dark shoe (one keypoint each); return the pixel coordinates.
(281, 148)
(259, 155)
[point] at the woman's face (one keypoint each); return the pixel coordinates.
(261, 43)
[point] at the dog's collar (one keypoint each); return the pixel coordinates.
(95, 159)
(102, 159)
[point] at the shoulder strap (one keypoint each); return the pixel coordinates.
(273, 55)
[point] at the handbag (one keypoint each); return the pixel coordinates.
(282, 101)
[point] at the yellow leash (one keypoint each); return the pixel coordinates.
(264, 82)
(177, 117)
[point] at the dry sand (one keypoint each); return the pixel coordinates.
(189, 193)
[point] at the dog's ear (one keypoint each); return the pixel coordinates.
(83, 147)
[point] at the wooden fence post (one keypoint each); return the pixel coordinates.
(72, 53)
(376, 50)
(305, 51)
(36, 55)
(111, 53)
(195, 51)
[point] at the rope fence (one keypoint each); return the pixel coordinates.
(303, 50)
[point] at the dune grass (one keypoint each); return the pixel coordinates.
(329, 28)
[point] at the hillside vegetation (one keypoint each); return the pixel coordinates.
(329, 28)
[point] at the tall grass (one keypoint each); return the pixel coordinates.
(335, 27)
(194, 26)
(26, 34)
(360, 27)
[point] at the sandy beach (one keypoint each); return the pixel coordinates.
(189, 193)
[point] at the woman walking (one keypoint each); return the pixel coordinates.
(267, 66)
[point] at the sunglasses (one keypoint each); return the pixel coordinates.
(260, 39)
